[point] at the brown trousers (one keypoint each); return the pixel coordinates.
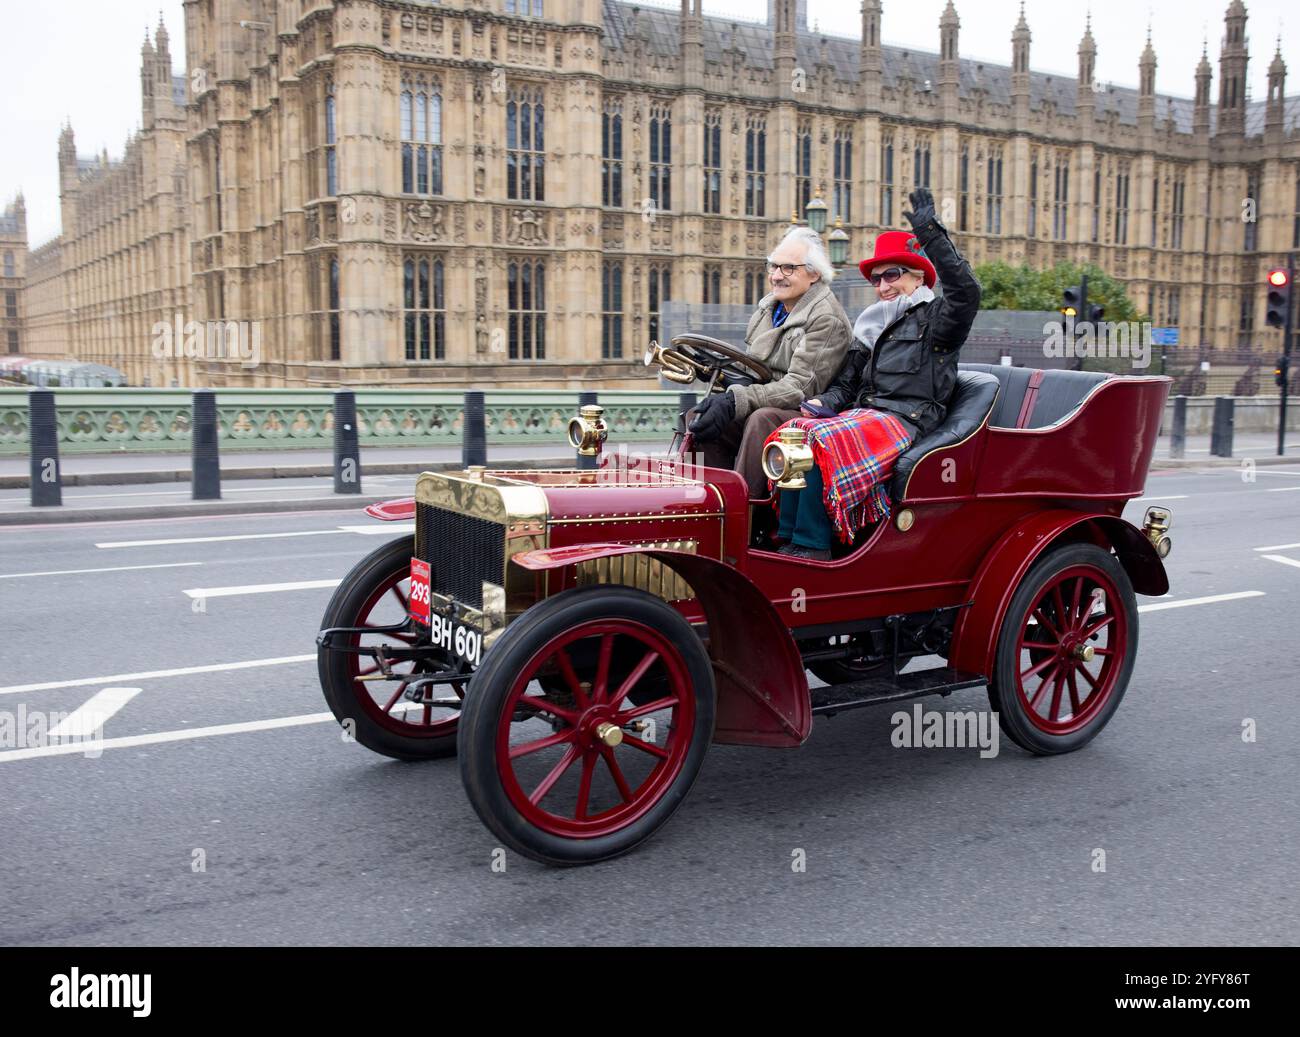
(741, 446)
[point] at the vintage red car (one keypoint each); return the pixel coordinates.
(579, 637)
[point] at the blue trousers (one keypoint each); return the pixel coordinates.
(804, 521)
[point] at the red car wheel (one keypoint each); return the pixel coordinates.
(583, 768)
(1066, 650)
(374, 594)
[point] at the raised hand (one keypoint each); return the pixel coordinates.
(923, 210)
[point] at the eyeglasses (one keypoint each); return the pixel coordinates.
(888, 276)
(787, 269)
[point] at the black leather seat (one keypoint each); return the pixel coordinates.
(973, 398)
(1061, 394)
(1013, 381)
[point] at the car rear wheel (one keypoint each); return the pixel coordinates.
(587, 771)
(375, 594)
(1066, 650)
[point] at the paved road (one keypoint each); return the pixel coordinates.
(311, 839)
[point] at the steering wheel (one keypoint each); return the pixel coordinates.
(714, 357)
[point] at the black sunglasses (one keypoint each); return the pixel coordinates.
(889, 276)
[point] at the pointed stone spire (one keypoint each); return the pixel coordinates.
(146, 48)
(1204, 77)
(870, 59)
(1020, 40)
(692, 44)
(1275, 112)
(1234, 57)
(949, 60)
(1087, 68)
(1147, 68)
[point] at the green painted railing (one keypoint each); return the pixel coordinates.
(149, 420)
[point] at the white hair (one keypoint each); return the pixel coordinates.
(815, 258)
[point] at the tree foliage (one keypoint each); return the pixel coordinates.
(1008, 287)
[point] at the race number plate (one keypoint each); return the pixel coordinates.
(464, 644)
(419, 601)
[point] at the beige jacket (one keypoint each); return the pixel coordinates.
(805, 353)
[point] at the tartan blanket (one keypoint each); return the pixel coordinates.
(856, 453)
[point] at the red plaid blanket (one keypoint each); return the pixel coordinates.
(855, 453)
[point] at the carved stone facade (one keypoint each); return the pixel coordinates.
(314, 162)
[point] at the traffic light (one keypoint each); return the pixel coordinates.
(1072, 301)
(1280, 370)
(1279, 298)
(1095, 314)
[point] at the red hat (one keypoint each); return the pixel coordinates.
(901, 248)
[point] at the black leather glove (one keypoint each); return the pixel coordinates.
(713, 416)
(922, 216)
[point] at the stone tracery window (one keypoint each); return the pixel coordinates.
(660, 290)
(803, 166)
(526, 305)
(842, 174)
(611, 311)
(887, 180)
(661, 157)
(424, 308)
(712, 161)
(525, 144)
(756, 166)
(421, 136)
(611, 154)
(993, 197)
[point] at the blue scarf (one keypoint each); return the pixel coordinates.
(779, 314)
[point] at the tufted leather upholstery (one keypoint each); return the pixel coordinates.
(972, 399)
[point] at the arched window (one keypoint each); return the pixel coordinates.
(611, 154)
(331, 139)
(526, 306)
(421, 104)
(424, 305)
(525, 145)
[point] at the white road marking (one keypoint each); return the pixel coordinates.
(1277, 547)
(186, 493)
(1199, 601)
(1283, 474)
(1284, 489)
(258, 588)
(131, 741)
(381, 528)
(217, 539)
(1181, 496)
(183, 671)
(88, 720)
(111, 569)
(1283, 559)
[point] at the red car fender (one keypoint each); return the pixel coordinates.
(975, 635)
(393, 510)
(762, 688)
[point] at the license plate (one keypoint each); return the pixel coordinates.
(464, 644)
(418, 604)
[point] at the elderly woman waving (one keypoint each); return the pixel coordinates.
(894, 386)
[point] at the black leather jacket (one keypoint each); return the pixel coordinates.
(913, 369)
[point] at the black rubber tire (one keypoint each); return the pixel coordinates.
(838, 671)
(1012, 717)
(335, 679)
(491, 686)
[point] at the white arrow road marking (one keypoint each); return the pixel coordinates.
(1283, 559)
(111, 569)
(184, 671)
(1157, 606)
(89, 720)
(1277, 547)
(131, 741)
(259, 588)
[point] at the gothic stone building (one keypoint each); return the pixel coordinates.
(505, 192)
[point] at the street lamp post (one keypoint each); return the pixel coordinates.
(815, 216)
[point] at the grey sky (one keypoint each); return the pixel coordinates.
(79, 59)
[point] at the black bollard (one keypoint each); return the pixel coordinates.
(1178, 433)
(347, 444)
(1221, 433)
(205, 459)
(43, 432)
(473, 431)
(587, 399)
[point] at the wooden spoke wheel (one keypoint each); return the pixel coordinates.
(378, 712)
(587, 767)
(1066, 649)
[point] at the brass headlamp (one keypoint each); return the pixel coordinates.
(787, 458)
(1156, 527)
(588, 431)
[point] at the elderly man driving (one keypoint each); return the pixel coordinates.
(802, 333)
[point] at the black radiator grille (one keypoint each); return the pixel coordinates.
(462, 552)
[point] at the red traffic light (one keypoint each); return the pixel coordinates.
(1279, 278)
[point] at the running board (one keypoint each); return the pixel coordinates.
(892, 688)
